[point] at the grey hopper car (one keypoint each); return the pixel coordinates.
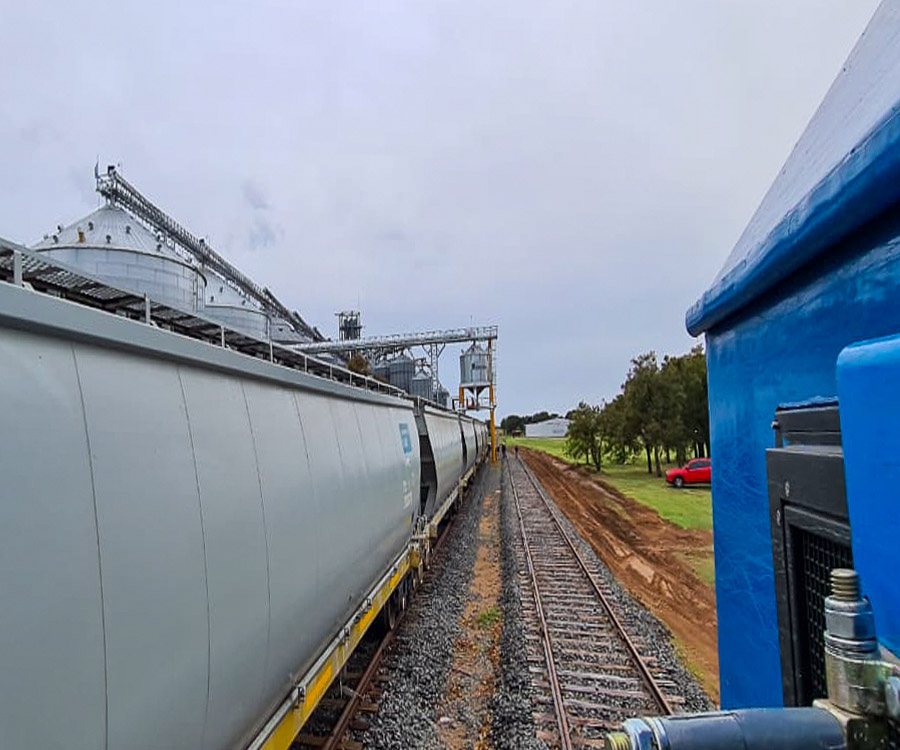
(471, 445)
(183, 528)
(443, 462)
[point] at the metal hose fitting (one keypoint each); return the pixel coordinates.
(845, 584)
(618, 741)
(750, 729)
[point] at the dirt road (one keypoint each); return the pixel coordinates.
(647, 554)
(465, 717)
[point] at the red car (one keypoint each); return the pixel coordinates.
(698, 471)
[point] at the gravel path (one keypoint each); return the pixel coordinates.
(416, 667)
(513, 725)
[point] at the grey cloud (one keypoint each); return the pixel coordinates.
(254, 196)
(263, 234)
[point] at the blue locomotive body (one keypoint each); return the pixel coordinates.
(817, 270)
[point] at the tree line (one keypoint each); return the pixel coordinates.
(662, 409)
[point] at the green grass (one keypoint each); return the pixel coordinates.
(706, 570)
(488, 618)
(690, 508)
(553, 446)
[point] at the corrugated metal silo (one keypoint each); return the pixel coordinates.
(401, 373)
(113, 246)
(382, 371)
(234, 310)
(283, 332)
(422, 386)
(474, 366)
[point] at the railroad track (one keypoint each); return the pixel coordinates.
(587, 671)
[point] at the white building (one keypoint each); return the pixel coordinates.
(553, 428)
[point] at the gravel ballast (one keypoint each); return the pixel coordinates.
(416, 668)
(415, 671)
(513, 725)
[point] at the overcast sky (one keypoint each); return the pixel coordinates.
(574, 171)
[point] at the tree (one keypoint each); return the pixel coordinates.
(661, 408)
(696, 402)
(644, 406)
(672, 396)
(584, 438)
(512, 423)
(618, 443)
(358, 364)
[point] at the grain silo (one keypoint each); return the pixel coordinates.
(116, 248)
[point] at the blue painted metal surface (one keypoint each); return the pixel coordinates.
(844, 170)
(784, 351)
(868, 375)
(816, 269)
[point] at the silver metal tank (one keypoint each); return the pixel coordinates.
(204, 494)
(381, 370)
(401, 372)
(441, 396)
(422, 386)
(283, 332)
(234, 310)
(113, 246)
(474, 367)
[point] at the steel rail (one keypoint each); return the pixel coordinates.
(562, 721)
(647, 678)
(343, 722)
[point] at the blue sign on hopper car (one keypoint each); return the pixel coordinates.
(404, 438)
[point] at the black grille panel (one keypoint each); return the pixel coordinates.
(818, 555)
(810, 525)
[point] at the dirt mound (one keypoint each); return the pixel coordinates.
(646, 553)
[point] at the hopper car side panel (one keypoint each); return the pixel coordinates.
(240, 518)
(343, 567)
(151, 551)
(468, 426)
(235, 543)
(389, 468)
(446, 443)
(48, 553)
(289, 503)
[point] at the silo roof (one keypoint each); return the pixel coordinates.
(123, 230)
(220, 292)
(843, 172)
